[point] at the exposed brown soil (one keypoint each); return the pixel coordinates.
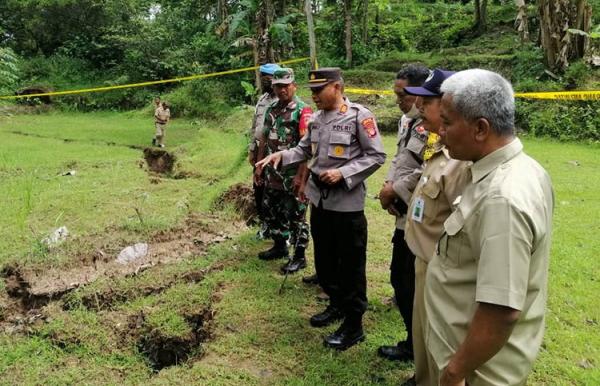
(159, 160)
(109, 297)
(36, 287)
(241, 197)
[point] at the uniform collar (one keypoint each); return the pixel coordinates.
(292, 104)
(487, 164)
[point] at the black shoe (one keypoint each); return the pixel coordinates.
(278, 251)
(312, 279)
(345, 337)
(396, 353)
(153, 141)
(325, 318)
(293, 266)
(410, 382)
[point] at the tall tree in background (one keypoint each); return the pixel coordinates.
(311, 33)
(348, 31)
(480, 16)
(521, 22)
(564, 25)
(365, 21)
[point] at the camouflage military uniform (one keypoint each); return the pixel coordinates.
(285, 215)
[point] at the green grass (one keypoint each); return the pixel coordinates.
(258, 336)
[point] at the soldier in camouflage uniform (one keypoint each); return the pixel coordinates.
(266, 99)
(285, 124)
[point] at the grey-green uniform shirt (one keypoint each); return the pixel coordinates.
(258, 122)
(495, 249)
(406, 169)
(346, 139)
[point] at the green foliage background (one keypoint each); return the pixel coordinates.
(71, 44)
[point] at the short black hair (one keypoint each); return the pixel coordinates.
(414, 74)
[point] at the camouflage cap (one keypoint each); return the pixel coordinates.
(283, 76)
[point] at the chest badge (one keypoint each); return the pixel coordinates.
(338, 151)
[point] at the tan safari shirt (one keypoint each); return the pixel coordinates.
(162, 115)
(495, 249)
(443, 180)
(405, 169)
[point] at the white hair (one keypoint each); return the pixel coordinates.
(478, 93)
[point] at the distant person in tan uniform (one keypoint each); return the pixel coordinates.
(486, 284)
(162, 115)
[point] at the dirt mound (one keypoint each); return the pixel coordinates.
(241, 197)
(159, 161)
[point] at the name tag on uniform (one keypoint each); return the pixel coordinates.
(417, 212)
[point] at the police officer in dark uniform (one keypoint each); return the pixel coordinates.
(343, 147)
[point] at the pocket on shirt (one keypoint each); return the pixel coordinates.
(430, 191)
(451, 243)
(339, 145)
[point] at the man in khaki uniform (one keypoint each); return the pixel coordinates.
(402, 177)
(162, 115)
(486, 285)
(441, 182)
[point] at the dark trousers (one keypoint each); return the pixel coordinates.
(259, 191)
(340, 241)
(402, 277)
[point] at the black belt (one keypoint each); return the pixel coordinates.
(324, 188)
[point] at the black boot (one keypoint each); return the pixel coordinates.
(402, 352)
(325, 318)
(312, 279)
(153, 141)
(349, 334)
(278, 251)
(297, 263)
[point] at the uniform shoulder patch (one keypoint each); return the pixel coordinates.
(370, 126)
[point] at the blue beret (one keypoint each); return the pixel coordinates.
(269, 68)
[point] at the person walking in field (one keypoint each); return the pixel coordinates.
(162, 115)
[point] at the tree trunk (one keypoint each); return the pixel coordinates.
(263, 39)
(365, 21)
(480, 16)
(311, 34)
(556, 18)
(348, 31)
(222, 10)
(521, 22)
(257, 83)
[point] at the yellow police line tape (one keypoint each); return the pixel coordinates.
(150, 83)
(562, 95)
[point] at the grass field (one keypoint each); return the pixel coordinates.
(223, 306)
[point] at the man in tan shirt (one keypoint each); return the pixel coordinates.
(162, 115)
(486, 285)
(441, 182)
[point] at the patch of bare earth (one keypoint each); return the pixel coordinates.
(159, 160)
(241, 197)
(35, 295)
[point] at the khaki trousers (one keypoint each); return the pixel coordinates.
(426, 371)
(161, 128)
